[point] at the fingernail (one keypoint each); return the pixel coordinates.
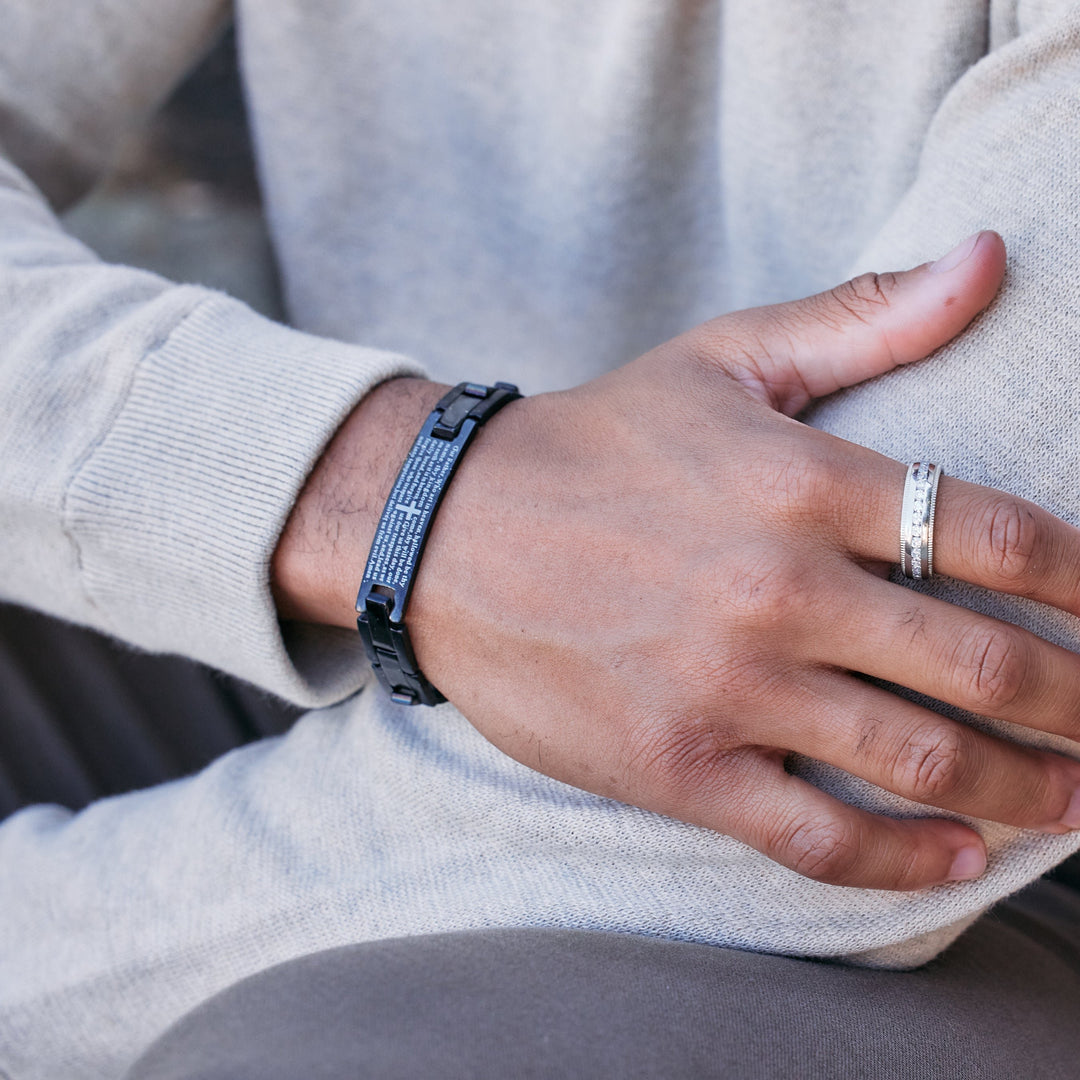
(955, 257)
(969, 863)
(1071, 818)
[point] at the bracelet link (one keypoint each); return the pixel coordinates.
(403, 530)
(470, 401)
(390, 652)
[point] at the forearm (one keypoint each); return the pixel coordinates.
(154, 438)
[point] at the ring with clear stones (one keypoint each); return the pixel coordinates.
(917, 520)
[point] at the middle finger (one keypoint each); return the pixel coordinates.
(973, 661)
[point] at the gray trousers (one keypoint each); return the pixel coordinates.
(81, 717)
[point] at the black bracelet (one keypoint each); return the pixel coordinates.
(403, 532)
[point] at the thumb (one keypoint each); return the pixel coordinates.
(867, 326)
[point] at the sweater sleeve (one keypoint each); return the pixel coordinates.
(999, 405)
(153, 436)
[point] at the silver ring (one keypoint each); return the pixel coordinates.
(917, 520)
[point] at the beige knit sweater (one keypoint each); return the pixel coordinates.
(533, 191)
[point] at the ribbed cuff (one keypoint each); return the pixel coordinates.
(177, 511)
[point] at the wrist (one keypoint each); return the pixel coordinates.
(401, 536)
(321, 554)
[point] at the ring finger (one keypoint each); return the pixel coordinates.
(981, 535)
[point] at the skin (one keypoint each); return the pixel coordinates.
(618, 591)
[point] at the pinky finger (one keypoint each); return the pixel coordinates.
(802, 828)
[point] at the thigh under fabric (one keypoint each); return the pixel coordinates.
(83, 717)
(1000, 1004)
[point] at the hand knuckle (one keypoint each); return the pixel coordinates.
(679, 760)
(701, 674)
(822, 849)
(1012, 536)
(908, 868)
(930, 766)
(795, 482)
(993, 666)
(806, 483)
(791, 480)
(766, 593)
(863, 296)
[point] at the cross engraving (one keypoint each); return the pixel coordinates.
(410, 511)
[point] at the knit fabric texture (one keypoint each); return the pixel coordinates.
(533, 192)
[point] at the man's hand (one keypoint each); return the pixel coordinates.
(656, 586)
